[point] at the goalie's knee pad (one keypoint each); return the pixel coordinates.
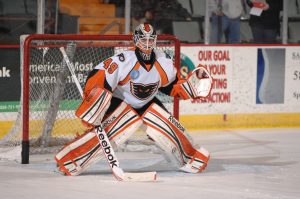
(78, 155)
(171, 136)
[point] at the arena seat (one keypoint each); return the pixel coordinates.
(187, 31)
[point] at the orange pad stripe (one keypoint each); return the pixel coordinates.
(80, 150)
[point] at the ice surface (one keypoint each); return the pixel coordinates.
(251, 163)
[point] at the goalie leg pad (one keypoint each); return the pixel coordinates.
(78, 155)
(172, 137)
(94, 106)
(122, 123)
(198, 162)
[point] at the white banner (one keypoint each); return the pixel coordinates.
(247, 79)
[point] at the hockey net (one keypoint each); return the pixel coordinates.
(46, 119)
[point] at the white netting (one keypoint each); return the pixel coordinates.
(53, 95)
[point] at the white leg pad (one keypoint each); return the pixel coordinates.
(78, 155)
(172, 137)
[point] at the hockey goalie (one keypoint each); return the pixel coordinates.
(120, 95)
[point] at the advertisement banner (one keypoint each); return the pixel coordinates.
(292, 77)
(246, 79)
(10, 86)
(218, 62)
(270, 76)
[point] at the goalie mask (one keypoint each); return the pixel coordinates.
(144, 38)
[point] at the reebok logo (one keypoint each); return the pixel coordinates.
(112, 161)
(108, 122)
(174, 121)
(4, 72)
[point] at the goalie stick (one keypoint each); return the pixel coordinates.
(105, 143)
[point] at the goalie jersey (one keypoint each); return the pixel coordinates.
(132, 81)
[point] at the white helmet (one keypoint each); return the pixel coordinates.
(144, 37)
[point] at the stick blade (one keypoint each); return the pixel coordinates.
(140, 177)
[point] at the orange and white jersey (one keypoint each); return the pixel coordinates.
(136, 83)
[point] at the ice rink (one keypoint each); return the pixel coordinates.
(246, 163)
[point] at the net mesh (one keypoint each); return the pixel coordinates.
(54, 97)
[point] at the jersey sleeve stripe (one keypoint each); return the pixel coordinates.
(162, 73)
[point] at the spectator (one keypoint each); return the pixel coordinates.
(159, 13)
(225, 20)
(142, 11)
(167, 11)
(266, 27)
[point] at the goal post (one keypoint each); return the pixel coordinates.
(49, 95)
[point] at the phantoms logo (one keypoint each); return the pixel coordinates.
(4, 72)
